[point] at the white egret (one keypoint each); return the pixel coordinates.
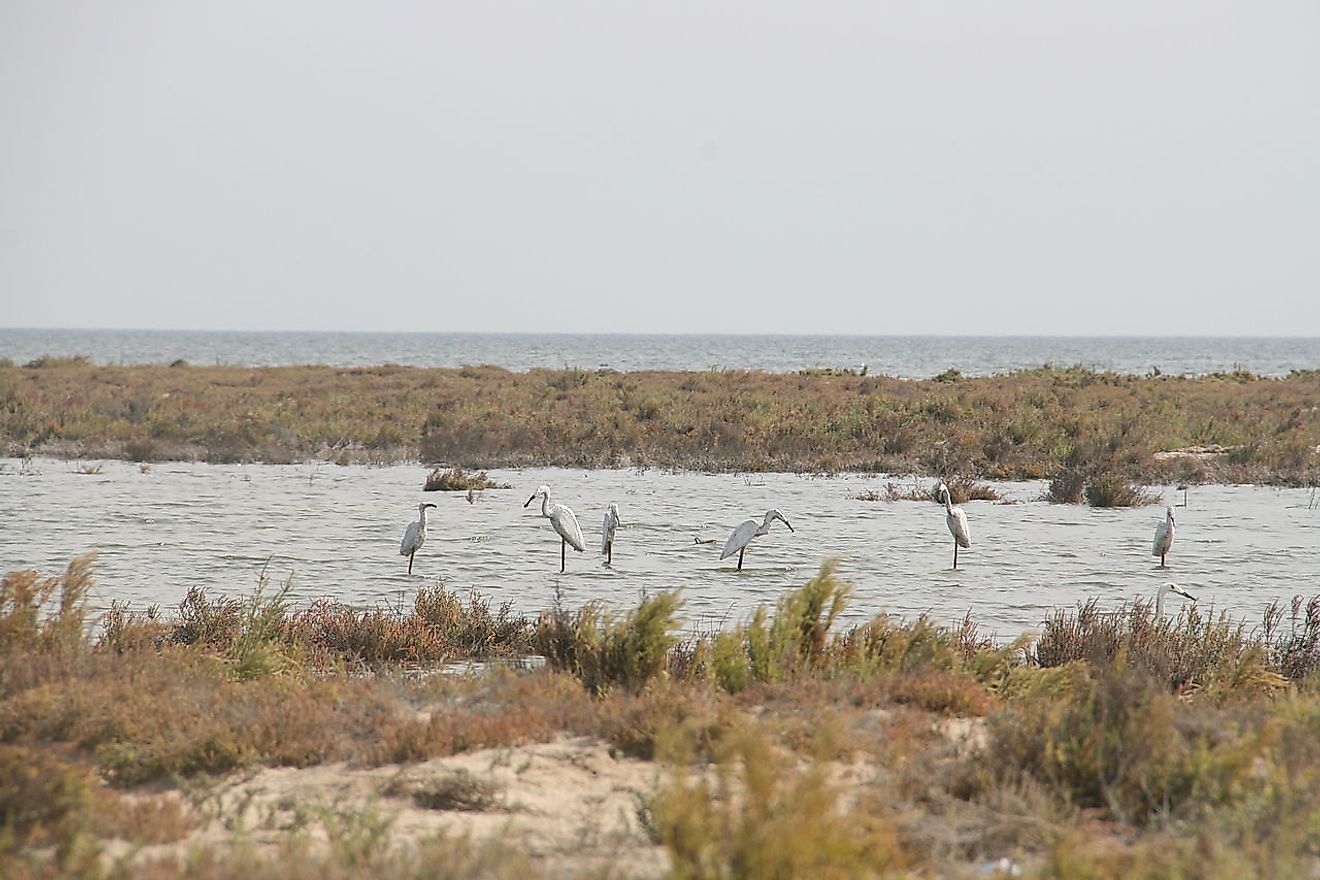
(415, 535)
(1169, 588)
(1163, 537)
(565, 524)
(956, 519)
(607, 532)
(742, 536)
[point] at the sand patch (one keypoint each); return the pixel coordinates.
(569, 804)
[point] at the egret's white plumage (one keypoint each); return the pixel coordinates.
(1166, 589)
(564, 522)
(1163, 536)
(743, 535)
(415, 535)
(607, 532)
(956, 519)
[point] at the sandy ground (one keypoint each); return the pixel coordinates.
(571, 804)
(568, 804)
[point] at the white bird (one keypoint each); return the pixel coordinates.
(1169, 588)
(956, 519)
(565, 524)
(742, 536)
(1163, 537)
(415, 535)
(607, 532)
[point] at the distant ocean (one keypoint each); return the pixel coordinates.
(913, 357)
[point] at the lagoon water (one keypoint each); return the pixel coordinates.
(912, 357)
(335, 530)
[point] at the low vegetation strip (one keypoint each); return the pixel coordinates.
(1117, 744)
(1073, 425)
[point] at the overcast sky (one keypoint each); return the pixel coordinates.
(672, 166)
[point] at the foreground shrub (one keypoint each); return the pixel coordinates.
(603, 649)
(1191, 651)
(1117, 740)
(761, 817)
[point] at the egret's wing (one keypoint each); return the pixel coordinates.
(410, 536)
(957, 520)
(1161, 541)
(741, 537)
(566, 525)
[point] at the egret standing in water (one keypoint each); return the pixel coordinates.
(565, 524)
(742, 536)
(956, 520)
(607, 532)
(415, 535)
(1163, 537)
(1169, 588)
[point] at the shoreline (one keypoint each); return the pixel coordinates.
(1034, 424)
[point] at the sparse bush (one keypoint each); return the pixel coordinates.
(1191, 650)
(55, 362)
(455, 791)
(604, 650)
(761, 817)
(1110, 490)
(458, 480)
(1117, 741)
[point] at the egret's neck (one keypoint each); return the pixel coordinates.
(545, 504)
(1159, 604)
(423, 518)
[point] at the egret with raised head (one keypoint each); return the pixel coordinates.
(1163, 537)
(565, 523)
(607, 532)
(743, 535)
(956, 519)
(1165, 590)
(415, 535)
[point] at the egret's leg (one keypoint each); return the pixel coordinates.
(563, 555)
(740, 556)
(609, 552)
(955, 554)
(410, 559)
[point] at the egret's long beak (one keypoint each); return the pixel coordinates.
(789, 524)
(429, 504)
(529, 501)
(1184, 594)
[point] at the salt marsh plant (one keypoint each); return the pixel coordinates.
(459, 480)
(1045, 423)
(604, 649)
(1122, 744)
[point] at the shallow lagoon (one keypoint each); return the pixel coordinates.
(335, 531)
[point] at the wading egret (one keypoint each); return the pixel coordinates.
(1163, 537)
(956, 520)
(565, 524)
(742, 536)
(607, 532)
(415, 535)
(1169, 588)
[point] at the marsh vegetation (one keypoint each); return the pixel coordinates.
(1076, 426)
(1117, 742)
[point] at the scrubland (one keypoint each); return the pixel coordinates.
(230, 737)
(1090, 433)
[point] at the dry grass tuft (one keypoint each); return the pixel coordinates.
(458, 480)
(456, 791)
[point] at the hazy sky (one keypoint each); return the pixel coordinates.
(671, 166)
